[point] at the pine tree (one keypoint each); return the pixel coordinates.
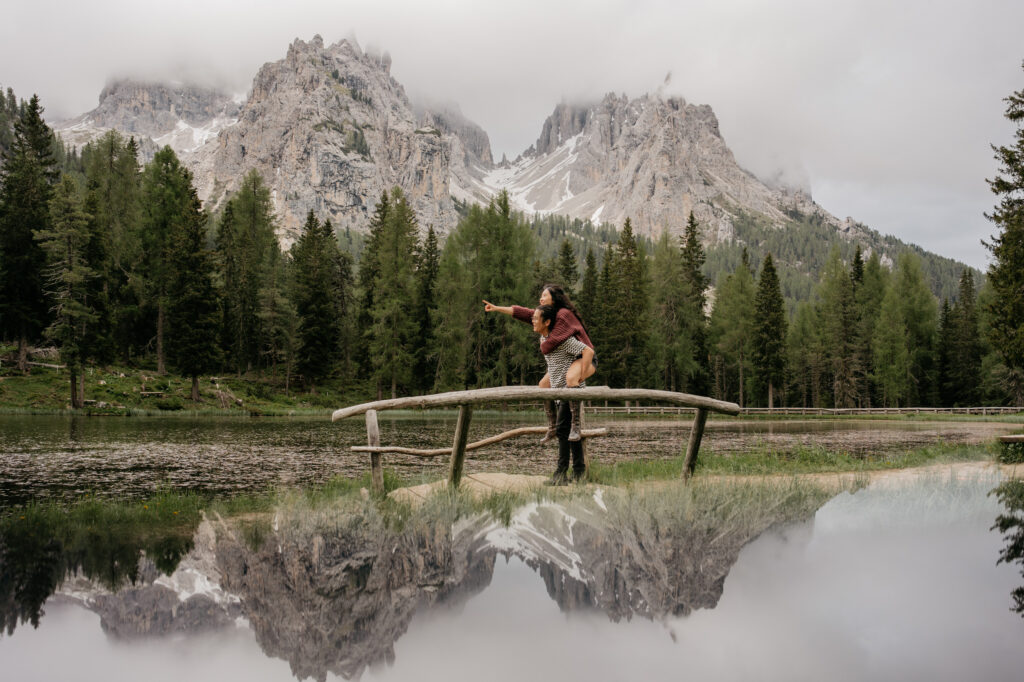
(113, 198)
(315, 263)
(671, 348)
(964, 371)
(27, 177)
(889, 347)
(587, 301)
(920, 314)
(393, 327)
(488, 255)
(1006, 272)
(693, 264)
(731, 333)
(250, 256)
(65, 241)
(428, 264)
(193, 313)
(837, 317)
(568, 268)
(943, 353)
(369, 271)
(626, 322)
(168, 201)
(770, 330)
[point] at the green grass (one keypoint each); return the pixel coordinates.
(801, 460)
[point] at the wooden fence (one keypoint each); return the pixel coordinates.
(809, 411)
(466, 400)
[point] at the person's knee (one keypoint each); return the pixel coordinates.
(545, 382)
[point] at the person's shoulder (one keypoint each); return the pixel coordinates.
(565, 314)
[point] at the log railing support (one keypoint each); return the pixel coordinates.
(459, 445)
(373, 440)
(694, 445)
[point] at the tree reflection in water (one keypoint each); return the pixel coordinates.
(331, 588)
(1011, 524)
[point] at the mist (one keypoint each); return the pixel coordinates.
(879, 98)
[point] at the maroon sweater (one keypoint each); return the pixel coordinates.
(565, 325)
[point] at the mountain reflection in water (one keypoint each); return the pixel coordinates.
(881, 584)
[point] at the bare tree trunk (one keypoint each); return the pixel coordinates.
(81, 388)
(195, 389)
(160, 338)
(23, 354)
(770, 403)
(394, 386)
(73, 371)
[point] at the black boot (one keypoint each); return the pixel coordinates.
(560, 477)
(574, 430)
(549, 409)
(579, 467)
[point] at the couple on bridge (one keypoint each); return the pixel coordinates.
(569, 354)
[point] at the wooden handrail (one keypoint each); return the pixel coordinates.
(505, 394)
(465, 400)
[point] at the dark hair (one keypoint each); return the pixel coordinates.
(547, 313)
(560, 299)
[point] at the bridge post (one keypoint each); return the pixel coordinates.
(373, 440)
(694, 445)
(459, 445)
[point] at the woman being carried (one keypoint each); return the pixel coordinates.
(567, 324)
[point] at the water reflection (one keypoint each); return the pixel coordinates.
(895, 581)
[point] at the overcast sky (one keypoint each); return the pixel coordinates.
(885, 109)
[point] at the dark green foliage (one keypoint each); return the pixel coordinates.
(113, 199)
(393, 328)
(625, 318)
(428, 267)
(26, 184)
(960, 347)
(1006, 273)
(587, 299)
(168, 198)
(696, 292)
(316, 269)
(730, 335)
(568, 268)
(488, 255)
(1011, 525)
(43, 544)
(193, 315)
(250, 262)
(770, 331)
(68, 279)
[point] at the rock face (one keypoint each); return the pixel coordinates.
(650, 159)
(329, 129)
(184, 117)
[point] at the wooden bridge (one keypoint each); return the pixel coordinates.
(466, 400)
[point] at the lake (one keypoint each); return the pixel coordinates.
(895, 581)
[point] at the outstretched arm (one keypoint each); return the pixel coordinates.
(491, 308)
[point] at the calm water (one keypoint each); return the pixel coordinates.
(61, 457)
(884, 584)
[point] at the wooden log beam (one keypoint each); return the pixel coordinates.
(373, 440)
(459, 445)
(524, 431)
(505, 394)
(694, 445)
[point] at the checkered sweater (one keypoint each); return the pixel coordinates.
(561, 357)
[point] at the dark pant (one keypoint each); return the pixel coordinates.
(565, 446)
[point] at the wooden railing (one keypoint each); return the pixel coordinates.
(810, 411)
(466, 400)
